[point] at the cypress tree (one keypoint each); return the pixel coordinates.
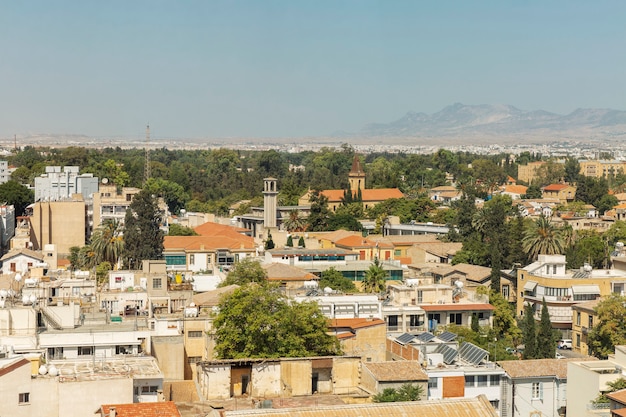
(301, 242)
(269, 243)
(289, 241)
(475, 324)
(529, 333)
(545, 337)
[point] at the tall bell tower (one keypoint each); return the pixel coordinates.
(270, 197)
(356, 177)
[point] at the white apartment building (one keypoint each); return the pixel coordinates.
(59, 183)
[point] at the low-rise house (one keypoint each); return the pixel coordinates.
(292, 280)
(536, 386)
(27, 389)
(444, 194)
(21, 260)
(378, 376)
(565, 193)
(363, 337)
(617, 403)
(278, 377)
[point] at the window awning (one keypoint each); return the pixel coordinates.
(586, 289)
(530, 286)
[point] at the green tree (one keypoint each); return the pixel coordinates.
(542, 237)
(529, 333)
(176, 229)
(14, 193)
(546, 342)
(617, 385)
(532, 192)
(589, 248)
(407, 392)
(320, 215)
(102, 271)
(289, 241)
(269, 242)
(375, 278)
(552, 172)
(610, 329)
(572, 170)
(294, 223)
(259, 322)
(475, 324)
(107, 241)
(245, 272)
(606, 202)
(335, 280)
(143, 239)
(173, 194)
(301, 242)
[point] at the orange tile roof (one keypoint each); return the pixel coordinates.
(404, 260)
(555, 187)
(515, 189)
(208, 243)
(619, 396)
(381, 194)
(216, 229)
(457, 307)
(376, 194)
(355, 241)
(620, 412)
(355, 323)
(158, 409)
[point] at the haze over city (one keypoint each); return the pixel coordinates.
(277, 69)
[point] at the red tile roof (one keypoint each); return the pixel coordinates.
(555, 187)
(457, 307)
(355, 323)
(376, 194)
(355, 241)
(216, 229)
(159, 409)
(619, 396)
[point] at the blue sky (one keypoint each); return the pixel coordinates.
(296, 68)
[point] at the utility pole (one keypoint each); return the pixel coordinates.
(147, 167)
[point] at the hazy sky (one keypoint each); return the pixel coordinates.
(296, 68)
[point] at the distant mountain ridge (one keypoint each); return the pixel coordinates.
(460, 119)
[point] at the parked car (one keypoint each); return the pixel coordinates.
(564, 344)
(559, 356)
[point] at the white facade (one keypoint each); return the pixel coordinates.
(7, 223)
(5, 173)
(59, 183)
(347, 306)
(534, 396)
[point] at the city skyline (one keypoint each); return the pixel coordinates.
(284, 69)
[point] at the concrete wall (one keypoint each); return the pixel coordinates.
(214, 381)
(17, 321)
(346, 374)
(169, 351)
(266, 380)
(296, 376)
(369, 343)
(61, 223)
(84, 397)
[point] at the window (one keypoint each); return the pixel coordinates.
(432, 382)
(537, 391)
(482, 380)
(456, 318)
(578, 340)
(469, 380)
(151, 389)
(590, 322)
(194, 359)
(192, 259)
(85, 350)
(157, 283)
(397, 252)
(420, 296)
(24, 397)
(578, 318)
(494, 380)
(194, 333)
(415, 320)
(55, 353)
(505, 291)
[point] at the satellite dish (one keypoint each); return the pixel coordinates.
(459, 284)
(53, 371)
(32, 298)
(25, 299)
(192, 305)
(328, 290)
(18, 277)
(3, 293)
(105, 180)
(43, 370)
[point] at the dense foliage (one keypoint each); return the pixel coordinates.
(143, 238)
(257, 321)
(610, 330)
(407, 392)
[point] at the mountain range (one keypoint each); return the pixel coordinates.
(504, 122)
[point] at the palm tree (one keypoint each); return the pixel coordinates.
(294, 223)
(107, 242)
(375, 277)
(543, 237)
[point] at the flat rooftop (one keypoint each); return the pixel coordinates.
(98, 369)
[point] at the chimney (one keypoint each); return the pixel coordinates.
(112, 412)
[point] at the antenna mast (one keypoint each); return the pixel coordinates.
(147, 167)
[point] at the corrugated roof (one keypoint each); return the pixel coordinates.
(452, 407)
(537, 367)
(400, 371)
(157, 409)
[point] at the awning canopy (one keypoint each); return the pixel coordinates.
(586, 289)
(530, 286)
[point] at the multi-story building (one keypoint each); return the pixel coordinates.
(5, 172)
(111, 203)
(63, 223)
(59, 183)
(547, 278)
(564, 193)
(528, 172)
(583, 320)
(601, 168)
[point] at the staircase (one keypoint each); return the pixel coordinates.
(50, 318)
